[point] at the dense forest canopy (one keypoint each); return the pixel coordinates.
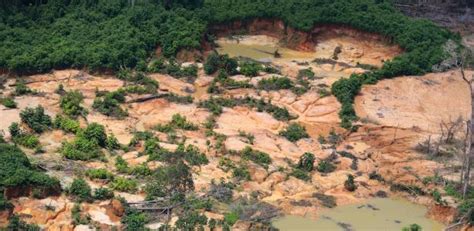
(38, 35)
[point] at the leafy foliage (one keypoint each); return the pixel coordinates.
(257, 157)
(70, 103)
(66, 124)
(109, 104)
(80, 189)
(8, 102)
(36, 119)
(349, 184)
(306, 162)
(16, 170)
(294, 132)
(170, 181)
(275, 83)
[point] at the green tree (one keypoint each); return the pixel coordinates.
(306, 162)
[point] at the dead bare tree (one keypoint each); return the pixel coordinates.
(469, 151)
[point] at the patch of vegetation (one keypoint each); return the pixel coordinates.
(411, 189)
(412, 227)
(99, 173)
(16, 170)
(140, 82)
(22, 138)
(306, 162)
(80, 189)
(250, 138)
(77, 217)
(172, 180)
(349, 184)
(325, 166)
(8, 102)
(294, 132)
(326, 200)
(241, 172)
(109, 104)
(103, 194)
(70, 103)
(177, 122)
(216, 104)
(66, 124)
(134, 220)
(300, 174)
(179, 99)
(22, 89)
(15, 223)
(87, 144)
(191, 220)
(275, 83)
(124, 185)
(249, 68)
(36, 119)
(221, 191)
(215, 62)
(258, 157)
(225, 82)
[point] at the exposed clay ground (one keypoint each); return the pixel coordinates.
(397, 115)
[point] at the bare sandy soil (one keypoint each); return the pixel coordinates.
(396, 115)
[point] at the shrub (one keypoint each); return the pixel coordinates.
(231, 218)
(66, 124)
(326, 200)
(77, 218)
(250, 68)
(16, 170)
(81, 149)
(8, 102)
(27, 140)
(124, 185)
(80, 189)
(112, 143)
(134, 220)
(109, 104)
(70, 103)
(36, 119)
(241, 173)
(349, 184)
(16, 223)
(191, 220)
(21, 88)
(96, 132)
(141, 170)
(15, 130)
(99, 173)
(294, 132)
(412, 227)
(181, 122)
(103, 194)
(306, 162)
(300, 174)
(121, 165)
(275, 83)
(175, 179)
(257, 157)
(325, 166)
(215, 62)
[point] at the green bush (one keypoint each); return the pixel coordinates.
(95, 132)
(121, 165)
(294, 132)
(124, 185)
(81, 149)
(141, 170)
(15, 130)
(241, 173)
(250, 69)
(70, 103)
(175, 179)
(21, 88)
(109, 104)
(257, 157)
(306, 162)
(99, 173)
(325, 166)
(80, 189)
(8, 102)
(412, 227)
(16, 223)
(300, 174)
(214, 62)
(349, 184)
(16, 170)
(103, 194)
(36, 119)
(112, 143)
(66, 124)
(27, 140)
(191, 220)
(231, 218)
(275, 83)
(134, 220)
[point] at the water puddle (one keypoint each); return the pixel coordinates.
(374, 214)
(259, 48)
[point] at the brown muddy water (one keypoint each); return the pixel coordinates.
(255, 47)
(374, 214)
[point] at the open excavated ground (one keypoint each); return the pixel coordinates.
(397, 115)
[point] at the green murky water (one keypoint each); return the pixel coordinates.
(375, 214)
(261, 52)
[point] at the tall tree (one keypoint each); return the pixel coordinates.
(469, 151)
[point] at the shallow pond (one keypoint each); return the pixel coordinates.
(374, 214)
(264, 51)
